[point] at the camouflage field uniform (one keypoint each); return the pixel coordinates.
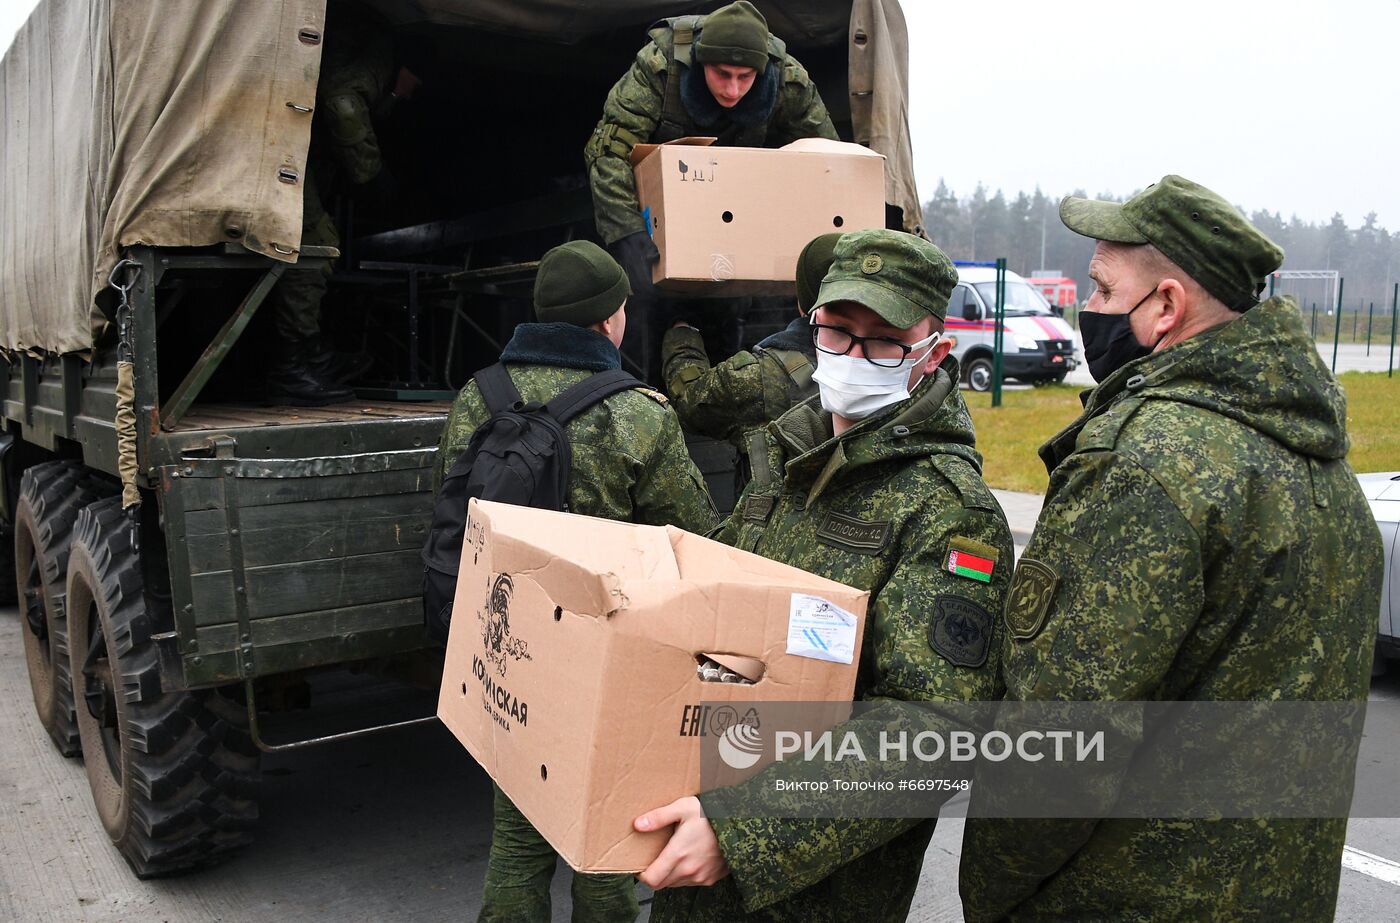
(636, 112)
(629, 464)
(878, 508)
(745, 391)
(1203, 538)
(353, 88)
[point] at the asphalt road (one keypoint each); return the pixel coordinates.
(393, 827)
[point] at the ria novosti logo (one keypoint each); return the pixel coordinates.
(740, 746)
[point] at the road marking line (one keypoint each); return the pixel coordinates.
(1386, 870)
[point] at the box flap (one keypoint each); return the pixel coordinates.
(701, 558)
(827, 146)
(642, 151)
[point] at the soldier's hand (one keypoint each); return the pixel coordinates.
(692, 856)
(406, 84)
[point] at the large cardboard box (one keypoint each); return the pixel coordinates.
(571, 670)
(732, 220)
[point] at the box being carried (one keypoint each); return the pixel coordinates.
(571, 670)
(741, 215)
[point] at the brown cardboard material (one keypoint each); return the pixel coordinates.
(572, 659)
(732, 220)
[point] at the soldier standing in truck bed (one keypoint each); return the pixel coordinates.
(747, 92)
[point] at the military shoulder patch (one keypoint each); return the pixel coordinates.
(655, 395)
(1028, 601)
(972, 559)
(852, 534)
(960, 631)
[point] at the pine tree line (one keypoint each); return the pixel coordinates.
(1027, 231)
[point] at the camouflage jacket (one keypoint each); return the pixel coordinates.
(784, 104)
(629, 457)
(880, 508)
(743, 392)
(1203, 538)
(353, 90)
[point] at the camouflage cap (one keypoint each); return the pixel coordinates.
(579, 283)
(900, 277)
(734, 34)
(1193, 227)
(812, 264)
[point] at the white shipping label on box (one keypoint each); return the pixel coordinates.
(820, 629)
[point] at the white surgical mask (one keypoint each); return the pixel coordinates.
(854, 388)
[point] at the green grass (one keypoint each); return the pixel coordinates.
(1009, 436)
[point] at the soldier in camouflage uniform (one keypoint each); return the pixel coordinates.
(748, 92)
(751, 387)
(354, 90)
(629, 464)
(877, 493)
(1203, 539)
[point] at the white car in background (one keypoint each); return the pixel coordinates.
(1383, 493)
(1037, 345)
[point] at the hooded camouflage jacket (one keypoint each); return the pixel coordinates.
(1203, 538)
(782, 106)
(880, 508)
(744, 391)
(629, 457)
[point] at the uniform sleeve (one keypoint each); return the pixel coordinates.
(933, 636)
(801, 112)
(1102, 599)
(466, 415)
(630, 114)
(721, 401)
(670, 490)
(347, 110)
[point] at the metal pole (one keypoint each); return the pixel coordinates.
(1394, 307)
(1337, 332)
(1314, 321)
(1273, 276)
(1355, 322)
(999, 345)
(1370, 315)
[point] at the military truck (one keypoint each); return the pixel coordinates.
(185, 555)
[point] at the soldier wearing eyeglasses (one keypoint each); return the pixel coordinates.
(875, 482)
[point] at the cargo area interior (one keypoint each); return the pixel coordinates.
(487, 174)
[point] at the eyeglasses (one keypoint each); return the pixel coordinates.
(884, 352)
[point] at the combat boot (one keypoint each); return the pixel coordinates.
(295, 380)
(335, 366)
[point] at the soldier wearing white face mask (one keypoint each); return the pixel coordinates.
(876, 483)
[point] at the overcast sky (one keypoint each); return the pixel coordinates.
(1108, 96)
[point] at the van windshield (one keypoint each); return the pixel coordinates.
(1021, 299)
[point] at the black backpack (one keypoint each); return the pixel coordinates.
(520, 455)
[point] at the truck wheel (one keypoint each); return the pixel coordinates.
(51, 494)
(979, 373)
(174, 774)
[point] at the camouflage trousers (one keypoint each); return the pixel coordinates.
(296, 299)
(519, 871)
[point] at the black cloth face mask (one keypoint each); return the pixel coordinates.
(1109, 341)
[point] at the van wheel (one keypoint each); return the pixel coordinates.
(51, 494)
(979, 373)
(174, 774)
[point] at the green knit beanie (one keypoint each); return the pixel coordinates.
(812, 264)
(734, 34)
(578, 283)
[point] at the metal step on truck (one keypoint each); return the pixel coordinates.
(189, 556)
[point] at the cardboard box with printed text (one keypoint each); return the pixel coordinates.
(571, 671)
(732, 220)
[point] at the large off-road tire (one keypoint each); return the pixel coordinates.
(174, 774)
(50, 496)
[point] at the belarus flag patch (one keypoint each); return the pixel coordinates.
(971, 559)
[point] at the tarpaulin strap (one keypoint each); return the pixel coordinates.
(127, 467)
